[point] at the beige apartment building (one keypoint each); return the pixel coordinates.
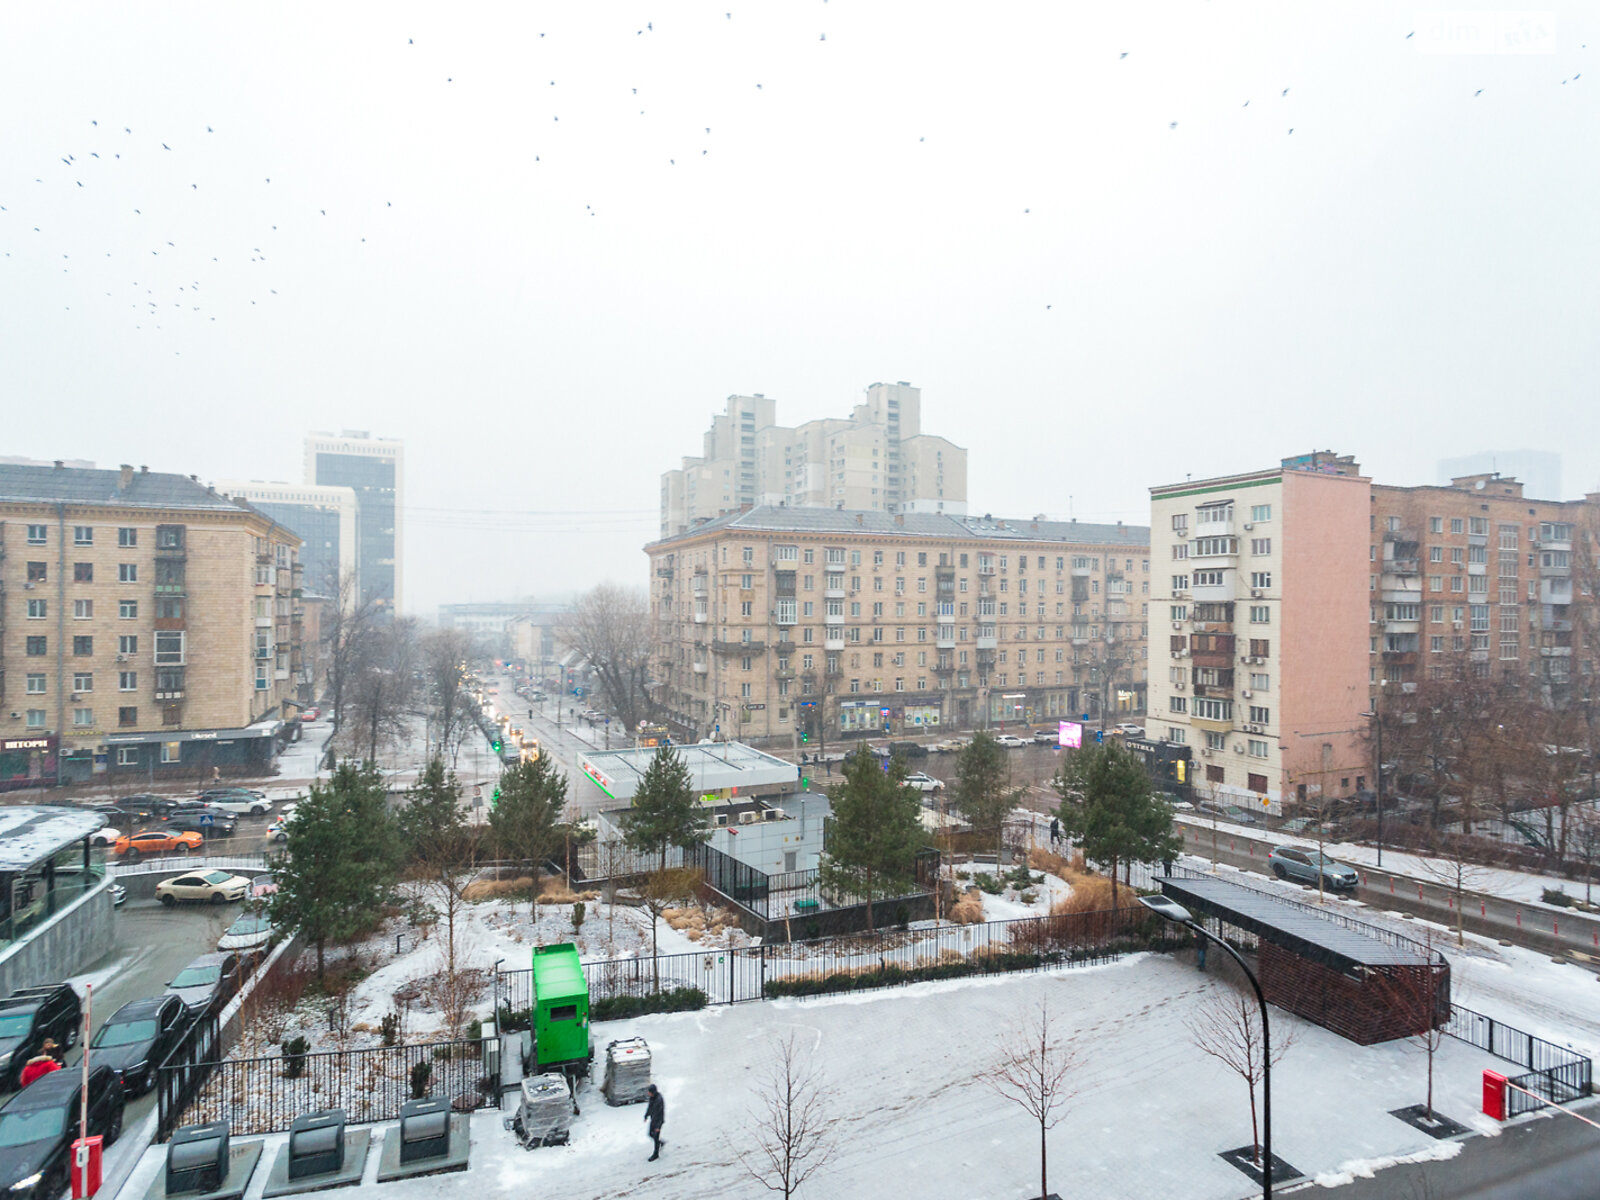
(779, 620)
(1259, 665)
(876, 460)
(148, 626)
(1281, 643)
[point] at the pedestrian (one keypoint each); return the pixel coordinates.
(40, 1064)
(655, 1112)
(1055, 830)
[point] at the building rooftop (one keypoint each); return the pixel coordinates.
(713, 767)
(30, 833)
(124, 488)
(783, 519)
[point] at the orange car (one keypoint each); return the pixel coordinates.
(154, 841)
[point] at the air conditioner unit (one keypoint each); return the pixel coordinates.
(1246, 693)
(1177, 654)
(721, 818)
(1455, 624)
(1255, 593)
(749, 818)
(122, 658)
(1177, 624)
(1206, 753)
(1238, 747)
(772, 814)
(1178, 687)
(1248, 526)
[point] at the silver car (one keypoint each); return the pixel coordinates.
(1306, 865)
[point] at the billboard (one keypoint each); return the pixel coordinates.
(1070, 735)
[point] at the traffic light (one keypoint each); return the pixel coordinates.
(495, 799)
(805, 736)
(496, 744)
(805, 783)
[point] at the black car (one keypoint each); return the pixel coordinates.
(188, 821)
(30, 1015)
(192, 810)
(208, 983)
(37, 1126)
(141, 807)
(137, 1038)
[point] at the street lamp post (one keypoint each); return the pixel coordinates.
(1170, 910)
(1377, 729)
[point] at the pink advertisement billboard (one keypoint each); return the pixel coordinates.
(1070, 735)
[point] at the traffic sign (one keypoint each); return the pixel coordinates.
(207, 819)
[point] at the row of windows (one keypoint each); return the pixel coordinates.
(169, 646)
(82, 610)
(836, 556)
(168, 537)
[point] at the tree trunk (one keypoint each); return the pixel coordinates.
(321, 980)
(1255, 1137)
(1113, 883)
(869, 901)
(1044, 1175)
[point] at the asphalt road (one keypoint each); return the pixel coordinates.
(1534, 927)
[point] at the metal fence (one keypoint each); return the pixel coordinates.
(143, 865)
(263, 1095)
(184, 1072)
(885, 958)
(1554, 1072)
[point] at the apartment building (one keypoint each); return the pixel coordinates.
(374, 469)
(1475, 568)
(1260, 664)
(780, 620)
(148, 624)
(877, 459)
(325, 519)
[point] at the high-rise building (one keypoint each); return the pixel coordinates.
(875, 460)
(782, 620)
(324, 517)
(1539, 470)
(151, 626)
(374, 469)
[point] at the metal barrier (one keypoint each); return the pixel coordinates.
(143, 865)
(184, 1072)
(1555, 1073)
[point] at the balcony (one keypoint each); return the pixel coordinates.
(1214, 691)
(943, 668)
(1555, 591)
(833, 593)
(171, 554)
(783, 673)
(701, 618)
(1397, 591)
(1555, 651)
(721, 647)
(985, 568)
(169, 696)
(833, 618)
(1215, 593)
(945, 637)
(698, 668)
(987, 643)
(833, 643)
(664, 572)
(1400, 657)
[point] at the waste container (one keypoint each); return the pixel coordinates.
(1494, 1095)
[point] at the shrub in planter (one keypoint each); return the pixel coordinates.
(616, 1008)
(389, 1028)
(294, 1056)
(988, 883)
(1557, 896)
(421, 1075)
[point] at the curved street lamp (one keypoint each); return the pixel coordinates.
(1169, 909)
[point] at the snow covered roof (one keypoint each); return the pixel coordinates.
(713, 767)
(29, 833)
(1291, 926)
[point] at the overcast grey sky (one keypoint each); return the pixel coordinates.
(563, 274)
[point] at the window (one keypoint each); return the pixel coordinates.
(83, 718)
(1216, 741)
(1180, 523)
(36, 684)
(82, 610)
(38, 610)
(127, 609)
(128, 644)
(746, 582)
(746, 608)
(83, 535)
(1478, 526)
(171, 752)
(1436, 645)
(1257, 748)
(127, 756)
(169, 607)
(1261, 579)
(1260, 648)
(1180, 612)
(1207, 579)
(38, 647)
(1180, 550)
(1178, 704)
(38, 572)
(36, 718)
(1177, 735)
(83, 647)
(83, 681)
(1260, 545)
(1260, 715)
(1260, 512)
(127, 537)
(37, 534)
(127, 717)
(1260, 614)
(127, 681)
(1457, 525)
(1213, 710)
(82, 572)
(127, 572)
(169, 647)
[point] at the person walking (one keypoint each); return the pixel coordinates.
(655, 1112)
(1055, 830)
(40, 1064)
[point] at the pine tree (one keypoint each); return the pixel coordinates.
(665, 812)
(341, 860)
(983, 792)
(525, 821)
(432, 814)
(1109, 806)
(875, 831)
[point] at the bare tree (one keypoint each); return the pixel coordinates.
(1415, 995)
(441, 867)
(348, 624)
(610, 627)
(790, 1135)
(443, 655)
(1583, 836)
(1227, 1026)
(664, 888)
(381, 686)
(1034, 1071)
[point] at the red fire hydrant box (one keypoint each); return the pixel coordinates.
(86, 1166)
(1494, 1095)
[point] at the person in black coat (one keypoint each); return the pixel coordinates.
(655, 1112)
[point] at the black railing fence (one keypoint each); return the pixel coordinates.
(881, 959)
(184, 1072)
(263, 1095)
(1555, 1073)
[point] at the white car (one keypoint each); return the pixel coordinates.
(924, 782)
(278, 831)
(1129, 730)
(250, 934)
(208, 887)
(1010, 741)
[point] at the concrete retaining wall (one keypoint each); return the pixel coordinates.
(64, 945)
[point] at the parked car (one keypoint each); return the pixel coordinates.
(1010, 740)
(208, 983)
(221, 790)
(218, 826)
(141, 807)
(278, 831)
(924, 782)
(311, 714)
(137, 1038)
(237, 800)
(106, 835)
(1130, 730)
(249, 935)
(157, 841)
(909, 749)
(1308, 864)
(29, 1016)
(37, 1126)
(119, 895)
(1046, 737)
(262, 886)
(205, 887)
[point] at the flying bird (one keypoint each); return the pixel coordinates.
(1124, 54)
(1173, 125)
(1410, 34)
(164, 146)
(1285, 91)
(94, 122)
(1479, 92)
(1291, 131)
(208, 129)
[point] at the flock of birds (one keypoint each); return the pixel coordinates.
(153, 299)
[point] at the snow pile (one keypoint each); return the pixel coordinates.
(1366, 1168)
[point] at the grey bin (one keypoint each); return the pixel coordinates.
(316, 1143)
(424, 1130)
(197, 1158)
(627, 1079)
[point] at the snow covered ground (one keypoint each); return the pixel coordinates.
(1151, 1114)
